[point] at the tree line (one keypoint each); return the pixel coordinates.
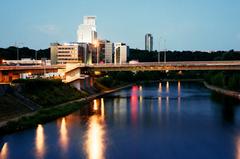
(10, 53)
(145, 56)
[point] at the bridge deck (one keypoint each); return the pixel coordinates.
(156, 66)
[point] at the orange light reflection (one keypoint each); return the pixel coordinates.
(160, 104)
(95, 105)
(102, 108)
(160, 88)
(179, 88)
(39, 141)
(237, 147)
(4, 151)
(167, 87)
(95, 139)
(64, 135)
(140, 88)
(167, 104)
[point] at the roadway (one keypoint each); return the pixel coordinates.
(158, 66)
(30, 67)
(143, 66)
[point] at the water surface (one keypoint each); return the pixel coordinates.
(166, 120)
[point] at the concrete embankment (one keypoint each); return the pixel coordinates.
(226, 92)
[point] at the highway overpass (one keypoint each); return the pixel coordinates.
(159, 66)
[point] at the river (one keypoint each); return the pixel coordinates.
(167, 120)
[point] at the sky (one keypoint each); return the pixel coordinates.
(183, 24)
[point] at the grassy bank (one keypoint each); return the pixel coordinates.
(48, 92)
(224, 79)
(39, 117)
(11, 107)
(51, 94)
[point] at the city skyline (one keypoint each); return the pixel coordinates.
(186, 24)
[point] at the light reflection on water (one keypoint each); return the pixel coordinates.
(63, 136)
(160, 87)
(102, 108)
(95, 137)
(141, 100)
(167, 104)
(167, 87)
(4, 151)
(40, 142)
(160, 104)
(95, 104)
(237, 149)
(179, 97)
(179, 88)
(134, 104)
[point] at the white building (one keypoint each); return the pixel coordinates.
(121, 51)
(87, 32)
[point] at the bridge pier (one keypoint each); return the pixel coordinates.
(78, 77)
(82, 83)
(73, 76)
(76, 84)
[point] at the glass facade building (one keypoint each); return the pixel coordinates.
(149, 42)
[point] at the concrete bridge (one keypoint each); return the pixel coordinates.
(159, 66)
(76, 72)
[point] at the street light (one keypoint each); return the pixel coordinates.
(16, 45)
(36, 57)
(43, 61)
(96, 44)
(159, 53)
(36, 54)
(165, 53)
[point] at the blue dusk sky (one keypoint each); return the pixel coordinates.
(185, 24)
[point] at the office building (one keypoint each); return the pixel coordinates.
(87, 32)
(109, 52)
(69, 52)
(121, 53)
(149, 42)
(103, 51)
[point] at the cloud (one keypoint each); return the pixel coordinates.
(48, 29)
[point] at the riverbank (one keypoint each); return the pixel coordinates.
(226, 92)
(44, 115)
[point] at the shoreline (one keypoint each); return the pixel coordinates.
(222, 91)
(23, 122)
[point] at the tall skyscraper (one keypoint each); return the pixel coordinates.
(149, 42)
(87, 32)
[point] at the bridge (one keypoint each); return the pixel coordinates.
(160, 66)
(78, 71)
